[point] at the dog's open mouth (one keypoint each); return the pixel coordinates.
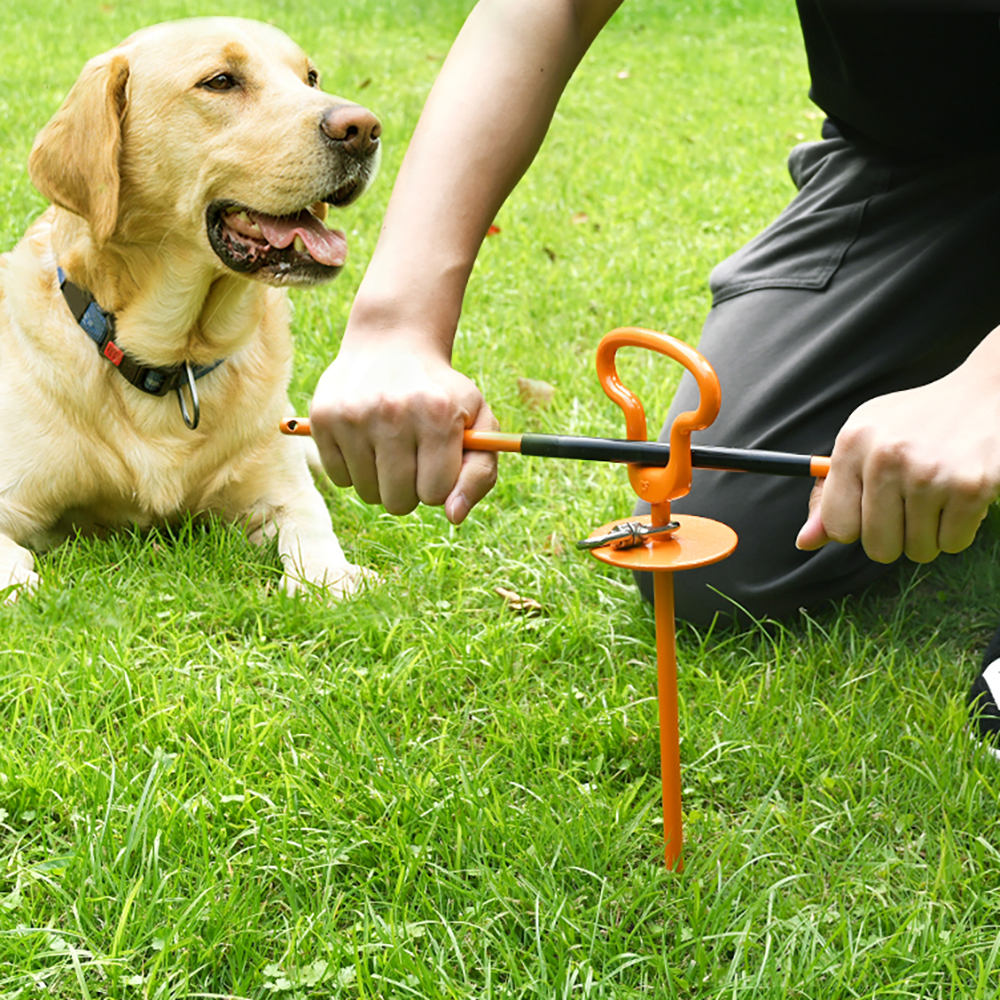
(282, 249)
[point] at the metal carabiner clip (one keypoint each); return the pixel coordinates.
(191, 422)
(628, 535)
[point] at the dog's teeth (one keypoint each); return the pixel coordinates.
(300, 244)
(244, 224)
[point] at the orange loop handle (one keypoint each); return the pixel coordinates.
(655, 485)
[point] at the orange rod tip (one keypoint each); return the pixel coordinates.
(819, 467)
(296, 425)
(491, 441)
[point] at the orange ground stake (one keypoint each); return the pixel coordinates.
(695, 541)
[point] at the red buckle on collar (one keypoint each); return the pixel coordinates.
(113, 353)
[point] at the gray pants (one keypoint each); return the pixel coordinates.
(879, 276)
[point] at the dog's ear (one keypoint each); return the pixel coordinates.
(74, 161)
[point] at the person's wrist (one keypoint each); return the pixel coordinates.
(414, 322)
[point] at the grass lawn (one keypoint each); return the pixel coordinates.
(209, 790)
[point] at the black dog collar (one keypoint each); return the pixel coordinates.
(99, 325)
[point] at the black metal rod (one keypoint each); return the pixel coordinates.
(772, 463)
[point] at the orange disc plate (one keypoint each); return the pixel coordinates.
(697, 542)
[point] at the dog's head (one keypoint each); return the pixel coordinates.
(212, 131)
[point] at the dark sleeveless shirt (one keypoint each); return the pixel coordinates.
(904, 78)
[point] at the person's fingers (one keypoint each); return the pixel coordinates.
(841, 500)
(330, 455)
(326, 444)
(362, 467)
(962, 515)
(921, 520)
(812, 535)
(478, 472)
(379, 446)
(366, 441)
(396, 478)
(399, 441)
(439, 451)
(346, 447)
(882, 527)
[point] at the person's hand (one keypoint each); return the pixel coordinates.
(913, 472)
(388, 418)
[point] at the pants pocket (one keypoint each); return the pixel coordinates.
(805, 245)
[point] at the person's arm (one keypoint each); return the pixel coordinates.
(915, 472)
(389, 413)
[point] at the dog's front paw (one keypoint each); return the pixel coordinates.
(17, 577)
(339, 580)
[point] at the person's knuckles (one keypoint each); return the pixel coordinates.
(853, 441)
(354, 414)
(419, 416)
(437, 405)
(890, 460)
(973, 490)
(440, 420)
(485, 419)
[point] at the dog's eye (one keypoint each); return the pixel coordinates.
(220, 82)
(313, 78)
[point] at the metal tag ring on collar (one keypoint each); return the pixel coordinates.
(192, 422)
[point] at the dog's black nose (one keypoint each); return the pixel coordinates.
(354, 128)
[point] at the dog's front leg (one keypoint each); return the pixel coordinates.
(17, 569)
(310, 552)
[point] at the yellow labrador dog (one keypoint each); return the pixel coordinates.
(145, 350)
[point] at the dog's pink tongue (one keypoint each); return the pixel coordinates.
(326, 246)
